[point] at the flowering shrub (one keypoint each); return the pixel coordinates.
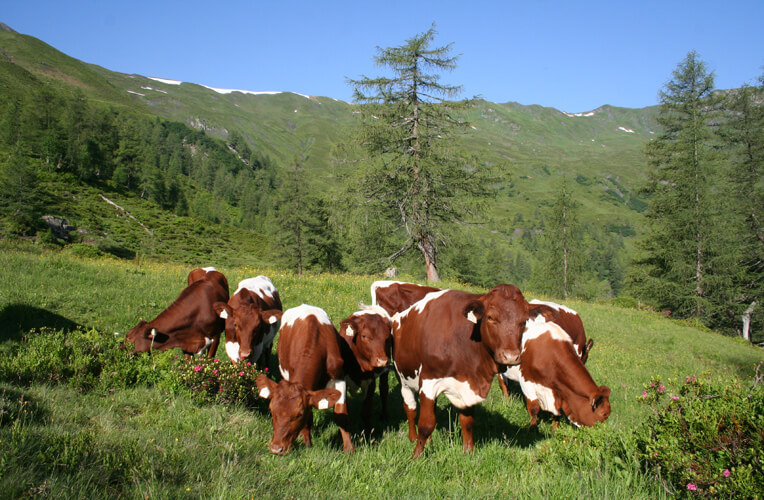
(220, 381)
(705, 437)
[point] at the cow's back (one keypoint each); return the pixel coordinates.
(397, 296)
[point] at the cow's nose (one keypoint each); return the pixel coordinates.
(244, 354)
(381, 362)
(276, 449)
(509, 358)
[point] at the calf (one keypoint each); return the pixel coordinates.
(252, 319)
(311, 363)
(567, 319)
(453, 343)
(189, 323)
(365, 350)
(553, 378)
(397, 296)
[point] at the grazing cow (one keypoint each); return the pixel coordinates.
(251, 320)
(311, 364)
(367, 341)
(553, 378)
(199, 273)
(453, 343)
(567, 319)
(190, 322)
(397, 296)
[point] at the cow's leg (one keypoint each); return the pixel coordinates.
(503, 385)
(426, 423)
(305, 432)
(368, 405)
(466, 419)
(384, 388)
(213, 347)
(533, 410)
(343, 422)
(409, 405)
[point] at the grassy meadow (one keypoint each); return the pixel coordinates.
(154, 440)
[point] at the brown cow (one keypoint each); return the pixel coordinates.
(252, 319)
(310, 361)
(567, 319)
(454, 342)
(397, 296)
(367, 337)
(189, 323)
(553, 378)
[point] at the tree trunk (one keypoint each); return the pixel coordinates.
(747, 320)
(428, 251)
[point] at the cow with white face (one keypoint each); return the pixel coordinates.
(313, 371)
(252, 318)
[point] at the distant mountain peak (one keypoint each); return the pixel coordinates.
(5, 27)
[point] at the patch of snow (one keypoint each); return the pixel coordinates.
(572, 115)
(626, 130)
(228, 91)
(136, 93)
(155, 90)
(165, 80)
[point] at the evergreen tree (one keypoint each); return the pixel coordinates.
(673, 269)
(561, 253)
(415, 181)
(20, 199)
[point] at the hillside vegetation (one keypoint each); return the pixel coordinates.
(95, 423)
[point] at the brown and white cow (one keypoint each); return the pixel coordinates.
(367, 342)
(313, 371)
(397, 296)
(553, 378)
(567, 319)
(454, 343)
(252, 318)
(199, 273)
(190, 322)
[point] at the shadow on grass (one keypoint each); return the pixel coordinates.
(17, 319)
(15, 406)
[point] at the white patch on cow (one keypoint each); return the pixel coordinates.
(418, 306)
(232, 349)
(153, 332)
(341, 386)
(284, 373)
(536, 330)
(207, 342)
(372, 310)
(543, 394)
(261, 285)
(554, 305)
(512, 373)
(272, 320)
(409, 387)
(304, 311)
(540, 319)
(349, 331)
(578, 349)
(265, 392)
(208, 269)
(323, 404)
(224, 314)
(458, 392)
(471, 316)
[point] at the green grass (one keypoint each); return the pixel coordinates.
(151, 441)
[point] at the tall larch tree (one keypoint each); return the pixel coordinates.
(415, 180)
(672, 269)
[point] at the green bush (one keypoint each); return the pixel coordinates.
(220, 381)
(705, 437)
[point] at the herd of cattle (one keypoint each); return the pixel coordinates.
(441, 342)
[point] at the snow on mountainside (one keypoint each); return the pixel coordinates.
(227, 91)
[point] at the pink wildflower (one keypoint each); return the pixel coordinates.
(197, 368)
(215, 372)
(644, 394)
(691, 487)
(220, 389)
(661, 388)
(674, 397)
(249, 364)
(726, 473)
(266, 368)
(217, 360)
(655, 454)
(241, 374)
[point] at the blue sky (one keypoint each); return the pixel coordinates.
(574, 56)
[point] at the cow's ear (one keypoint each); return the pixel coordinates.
(348, 328)
(325, 398)
(600, 396)
(223, 310)
(265, 386)
(474, 311)
(271, 316)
